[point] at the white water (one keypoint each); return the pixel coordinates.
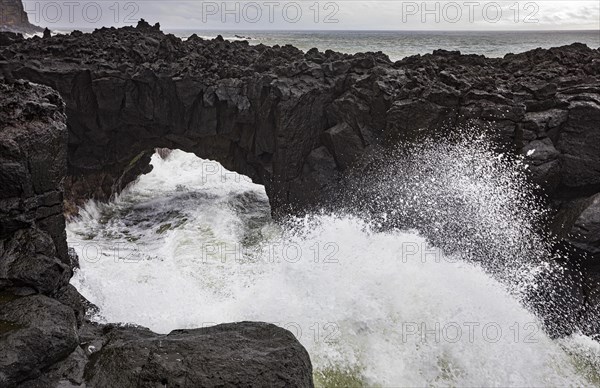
(188, 246)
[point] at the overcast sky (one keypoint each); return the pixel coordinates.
(320, 15)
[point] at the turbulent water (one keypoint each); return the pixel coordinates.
(400, 44)
(191, 244)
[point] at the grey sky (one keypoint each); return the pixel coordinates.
(320, 15)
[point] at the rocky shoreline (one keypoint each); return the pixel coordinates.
(45, 338)
(293, 121)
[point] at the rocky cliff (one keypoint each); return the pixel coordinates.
(45, 339)
(14, 18)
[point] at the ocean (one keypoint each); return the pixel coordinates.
(400, 44)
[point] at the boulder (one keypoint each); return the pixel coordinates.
(230, 355)
(578, 144)
(586, 231)
(35, 333)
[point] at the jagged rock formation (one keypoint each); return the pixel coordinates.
(36, 330)
(272, 112)
(14, 18)
(296, 121)
(33, 156)
(45, 340)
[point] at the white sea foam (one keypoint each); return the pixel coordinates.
(191, 245)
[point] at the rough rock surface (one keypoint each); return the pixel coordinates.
(14, 18)
(45, 340)
(33, 152)
(231, 355)
(35, 333)
(268, 111)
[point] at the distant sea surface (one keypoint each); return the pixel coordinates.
(400, 44)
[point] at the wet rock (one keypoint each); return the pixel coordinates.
(69, 296)
(344, 144)
(67, 373)
(578, 143)
(540, 123)
(28, 258)
(35, 333)
(163, 152)
(239, 354)
(586, 230)
(540, 151)
(544, 164)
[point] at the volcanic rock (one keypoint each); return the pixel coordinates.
(232, 355)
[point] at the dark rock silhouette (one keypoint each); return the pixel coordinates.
(33, 150)
(237, 355)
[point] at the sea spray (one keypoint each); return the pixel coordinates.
(182, 250)
(464, 196)
(471, 200)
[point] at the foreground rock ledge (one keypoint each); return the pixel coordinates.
(242, 355)
(45, 340)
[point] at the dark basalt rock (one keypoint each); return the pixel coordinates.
(262, 111)
(35, 333)
(268, 112)
(585, 235)
(33, 152)
(45, 338)
(233, 355)
(7, 38)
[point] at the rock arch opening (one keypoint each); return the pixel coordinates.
(169, 241)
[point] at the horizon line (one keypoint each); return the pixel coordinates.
(327, 30)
